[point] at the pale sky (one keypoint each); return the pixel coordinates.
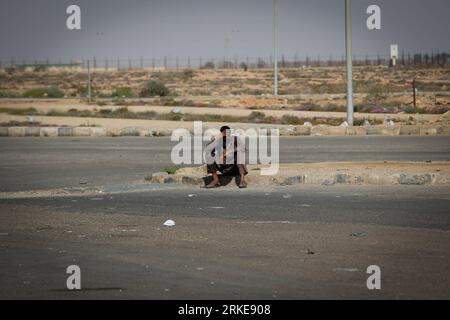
(156, 28)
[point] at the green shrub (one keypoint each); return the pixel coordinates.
(292, 120)
(51, 92)
(188, 73)
(122, 92)
(171, 170)
(256, 116)
(154, 88)
(105, 111)
(20, 112)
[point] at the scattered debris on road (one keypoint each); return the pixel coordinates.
(358, 234)
(169, 223)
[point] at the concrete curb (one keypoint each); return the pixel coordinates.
(317, 177)
(31, 131)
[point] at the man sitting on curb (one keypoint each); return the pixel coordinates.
(233, 157)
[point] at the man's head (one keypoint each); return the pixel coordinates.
(225, 130)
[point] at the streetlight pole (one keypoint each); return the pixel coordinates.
(348, 51)
(275, 47)
(89, 80)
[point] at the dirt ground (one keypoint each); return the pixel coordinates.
(321, 87)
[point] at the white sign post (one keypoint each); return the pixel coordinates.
(394, 54)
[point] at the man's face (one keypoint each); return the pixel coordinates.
(226, 132)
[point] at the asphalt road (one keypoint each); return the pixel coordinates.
(46, 163)
(280, 243)
(298, 242)
(401, 206)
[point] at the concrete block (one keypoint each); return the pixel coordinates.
(430, 131)
(16, 131)
(162, 133)
(49, 132)
(374, 131)
(320, 131)
(415, 179)
(129, 132)
(337, 131)
(342, 178)
(81, 132)
(32, 131)
(444, 129)
(65, 131)
(391, 131)
(288, 131)
(3, 131)
(98, 132)
(158, 177)
(113, 132)
(303, 130)
(409, 130)
(145, 132)
(356, 131)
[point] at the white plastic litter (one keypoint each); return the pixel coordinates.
(169, 223)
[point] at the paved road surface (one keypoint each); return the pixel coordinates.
(45, 163)
(260, 243)
(230, 244)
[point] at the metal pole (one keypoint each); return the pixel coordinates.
(348, 50)
(275, 47)
(89, 80)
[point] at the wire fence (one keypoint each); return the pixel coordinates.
(235, 62)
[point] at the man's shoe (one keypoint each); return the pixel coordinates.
(243, 185)
(213, 185)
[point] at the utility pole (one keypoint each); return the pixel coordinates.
(275, 47)
(89, 80)
(348, 51)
